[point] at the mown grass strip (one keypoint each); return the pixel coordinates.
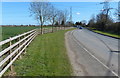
(46, 56)
(108, 34)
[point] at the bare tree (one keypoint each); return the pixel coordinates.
(41, 11)
(119, 11)
(65, 16)
(83, 22)
(92, 21)
(60, 17)
(53, 16)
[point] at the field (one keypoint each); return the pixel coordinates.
(13, 31)
(46, 56)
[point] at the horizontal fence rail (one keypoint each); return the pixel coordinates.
(13, 38)
(13, 51)
(15, 46)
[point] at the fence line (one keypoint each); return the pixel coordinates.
(7, 57)
(13, 38)
(16, 46)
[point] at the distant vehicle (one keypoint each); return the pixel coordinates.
(80, 27)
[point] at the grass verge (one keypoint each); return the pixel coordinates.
(108, 34)
(46, 56)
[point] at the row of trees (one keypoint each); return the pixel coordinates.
(104, 23)
(45, 12)
(82, 23)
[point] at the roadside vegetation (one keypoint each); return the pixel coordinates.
(104, 26)
(46, 56)
(110, 30)
(106, 33)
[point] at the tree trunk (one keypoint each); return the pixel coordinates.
(41, 29)
(52, 28)
(52, 24)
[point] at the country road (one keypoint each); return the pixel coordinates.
(92, 54)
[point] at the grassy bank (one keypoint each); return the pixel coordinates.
(106, 33)
(46, 56)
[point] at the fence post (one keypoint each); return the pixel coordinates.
(52, 29)
(57, 28)
(37, 31)
(10, 43)
(25, 48)
(19, 50)
(43, 30)
(48, 30)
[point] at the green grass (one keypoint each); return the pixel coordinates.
(46, 56)
(106, 33)
(13, 31)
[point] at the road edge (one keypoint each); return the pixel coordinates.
(76, 69)
(103, 34)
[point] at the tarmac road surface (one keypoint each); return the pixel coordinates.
(92, 54)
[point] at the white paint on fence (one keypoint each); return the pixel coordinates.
(24, 42)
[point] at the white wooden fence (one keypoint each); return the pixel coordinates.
(16, 46)
(11, 53)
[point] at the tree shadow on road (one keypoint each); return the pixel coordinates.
(109, 73)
